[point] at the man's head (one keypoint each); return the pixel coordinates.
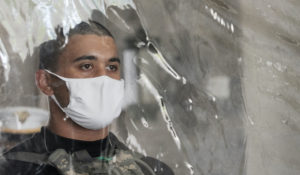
(87, 51)
(85, 56)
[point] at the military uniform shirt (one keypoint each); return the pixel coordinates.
(46, 142)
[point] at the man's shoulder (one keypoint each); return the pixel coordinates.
(33, 144)
(148, 165)
(9, 164)
(9, 167)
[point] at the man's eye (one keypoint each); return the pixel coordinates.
(112, 68)
(86, 66)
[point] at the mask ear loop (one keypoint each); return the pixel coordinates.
(55, 100)
(53, 96)
(58, 76)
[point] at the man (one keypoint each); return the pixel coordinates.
(80, 73)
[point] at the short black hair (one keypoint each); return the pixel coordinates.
(49, 51)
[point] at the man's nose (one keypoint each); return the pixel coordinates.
(101, 71)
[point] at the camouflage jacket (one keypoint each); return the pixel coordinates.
(46, 153)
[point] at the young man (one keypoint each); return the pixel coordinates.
(80, 73)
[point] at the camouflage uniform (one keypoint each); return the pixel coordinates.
(116, 159)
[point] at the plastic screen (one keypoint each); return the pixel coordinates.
(211, 87)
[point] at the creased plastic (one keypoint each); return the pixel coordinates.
(212, 86)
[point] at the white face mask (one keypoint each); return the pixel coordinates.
(94, 102)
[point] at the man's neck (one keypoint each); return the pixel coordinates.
(69, 129)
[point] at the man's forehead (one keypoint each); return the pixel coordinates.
(101, 47)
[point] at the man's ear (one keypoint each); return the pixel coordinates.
(43, 83)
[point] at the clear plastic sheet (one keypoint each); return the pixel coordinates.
(211, 86)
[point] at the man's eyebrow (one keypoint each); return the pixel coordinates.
(115, 60)
(85, 57)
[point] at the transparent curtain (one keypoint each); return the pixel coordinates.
(211, 87)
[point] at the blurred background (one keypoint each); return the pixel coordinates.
(212, 85)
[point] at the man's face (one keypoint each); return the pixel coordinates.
(85, 56)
